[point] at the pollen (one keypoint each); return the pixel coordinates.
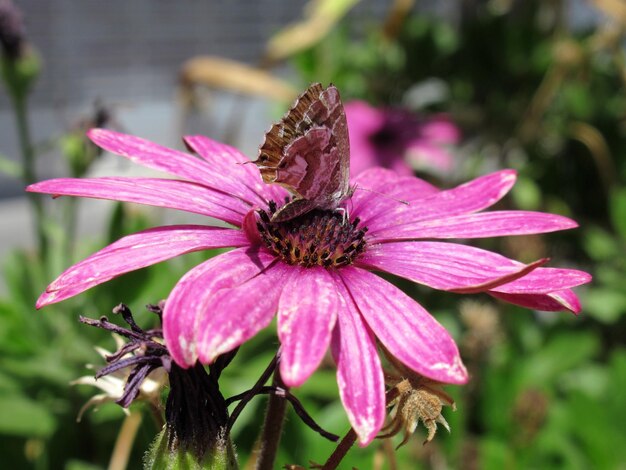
(318, 238)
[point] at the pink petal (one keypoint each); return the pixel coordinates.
(138, 251)
(389, 196)
(470, 197)
(359, 372)
(553, 302)
(237, 314)
(177, 163)
(231, 162)
(187, 303)
(545, 281)
(307, 311)
(173, 194)
(219, 155)
(446, 266)
(482, 225)
(406, 329)
(441, 129)
(425, 154)
(374, 177)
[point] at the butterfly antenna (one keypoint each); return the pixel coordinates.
(401, 201)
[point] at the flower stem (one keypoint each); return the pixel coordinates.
(28, 169)
(340, 452)
(272, 426)
(124, 442)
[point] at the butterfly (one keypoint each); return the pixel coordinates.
(308, 152)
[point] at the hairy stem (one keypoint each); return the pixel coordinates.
(340, 452)
(272, 426)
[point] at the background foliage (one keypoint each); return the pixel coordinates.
(529, 92)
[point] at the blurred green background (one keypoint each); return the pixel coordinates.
(530, 85)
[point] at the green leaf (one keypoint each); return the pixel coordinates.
(10, 168)
(526, 194)
(604, 304)
(24, 417)
(600, 244)
(618, 211)
(561, 354)
(81, 465)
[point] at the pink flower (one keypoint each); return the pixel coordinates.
(314, 271)
(397, 139)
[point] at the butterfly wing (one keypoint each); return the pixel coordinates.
(308, 151)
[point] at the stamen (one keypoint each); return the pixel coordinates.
(318, 238)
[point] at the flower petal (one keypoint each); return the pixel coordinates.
(237, 314)
(400, 192)
(235, 165)
(446, 266)
(482, 225)
(177, 163)
(553, 302)
(138, 251)
(187, 303)
(545, 281)
(359, 372)
(173, 194)
(307, 311)
(473, 196)
(406, 329)
(423, 154)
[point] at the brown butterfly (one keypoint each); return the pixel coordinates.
(308, 152)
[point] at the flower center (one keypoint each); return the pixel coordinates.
(318, 238)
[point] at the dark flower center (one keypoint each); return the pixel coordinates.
(318, 238)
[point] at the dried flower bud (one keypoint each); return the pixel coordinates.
(413, 398)
(418, 399)
(483, 328)
(11, 30)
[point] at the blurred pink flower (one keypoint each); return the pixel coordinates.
(397, 139)
(314, 271)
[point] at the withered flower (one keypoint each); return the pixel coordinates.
(414, 398)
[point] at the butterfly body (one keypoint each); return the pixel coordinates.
(308, 152)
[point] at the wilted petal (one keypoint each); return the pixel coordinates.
(187, 303)
(307, 312)
(236, 315)
(138, 251)
(359, 372)
(173, 194)
(553, 302)
(445, 266)
(408, 331)
(473, 196)
(481, 225)
(177, 163)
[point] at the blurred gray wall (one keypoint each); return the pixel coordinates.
(127, 53)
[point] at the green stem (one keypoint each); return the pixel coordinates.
(71, 216)
(272, 427)
(28, 170)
